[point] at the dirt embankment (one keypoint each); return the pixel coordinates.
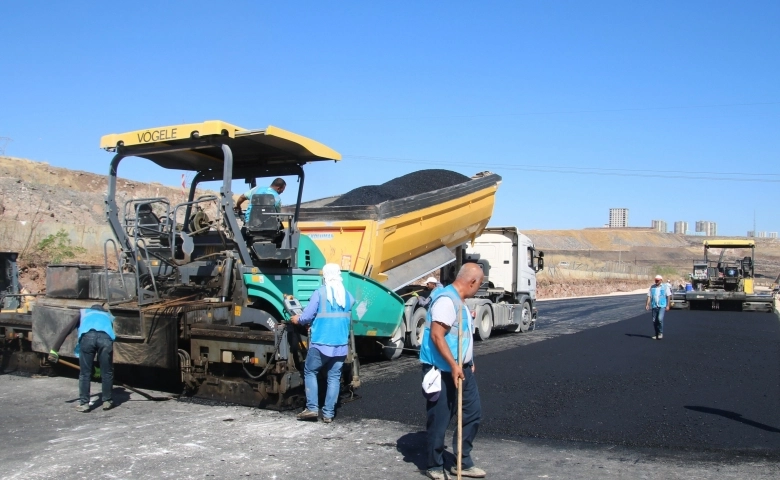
(577, 287)
(635, 249)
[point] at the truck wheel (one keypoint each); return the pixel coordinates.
(526, 320)
(418, 326)
(484, 322)
(393, 347)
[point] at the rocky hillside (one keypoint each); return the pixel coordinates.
(38, 192)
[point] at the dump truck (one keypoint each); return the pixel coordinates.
(724, 282)
(398, 241)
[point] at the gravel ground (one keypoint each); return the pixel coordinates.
(44, 437)
(407, 185)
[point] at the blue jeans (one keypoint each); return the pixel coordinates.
(315, 363)
(92, 343)
(658, 320)
(440, 414)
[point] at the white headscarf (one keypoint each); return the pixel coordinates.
(334, 285)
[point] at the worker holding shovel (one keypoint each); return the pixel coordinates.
(446, 355)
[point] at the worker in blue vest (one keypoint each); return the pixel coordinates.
(96, 337)
(329, 313)
(659, 300)
(276, 189)
(439, 350)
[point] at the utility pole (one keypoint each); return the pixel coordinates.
(4, 141)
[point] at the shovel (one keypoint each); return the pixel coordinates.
(139, 392)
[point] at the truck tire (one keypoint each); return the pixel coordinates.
(417, 327)
(484, 322)
(526, 319)
(393, 347)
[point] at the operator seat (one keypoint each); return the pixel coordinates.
(261, 226)
(265, 231)
(148, 223)
(747, 266)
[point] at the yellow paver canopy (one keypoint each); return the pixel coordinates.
(201, 146)
(729, 244)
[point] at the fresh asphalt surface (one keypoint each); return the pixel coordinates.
(711, 385)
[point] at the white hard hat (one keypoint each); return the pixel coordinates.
(431, 280)
(658, 277)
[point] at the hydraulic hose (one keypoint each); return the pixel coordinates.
(244, 361)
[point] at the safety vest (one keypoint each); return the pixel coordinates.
(331, 325)
(658, 294)
(96, 320)
(428, 352)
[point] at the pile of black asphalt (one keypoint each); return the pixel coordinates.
(414, 183)
(711, 384)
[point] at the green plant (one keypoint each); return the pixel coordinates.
(57, 247)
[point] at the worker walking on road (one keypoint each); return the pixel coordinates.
(659, 302)
(96, 337)
(447, 314)
(329, 313)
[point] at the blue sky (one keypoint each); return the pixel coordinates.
(670, 109)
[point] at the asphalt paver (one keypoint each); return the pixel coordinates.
(711, 384)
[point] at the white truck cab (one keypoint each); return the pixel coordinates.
(507, 298)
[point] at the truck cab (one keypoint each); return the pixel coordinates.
(507, 298)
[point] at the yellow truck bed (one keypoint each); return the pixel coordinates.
(375, 240)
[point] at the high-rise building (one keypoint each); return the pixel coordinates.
(707, 228)
(618, 217)
(761, 235)
(681, 228)
(659, 225)
(751, 233)
(772, 234)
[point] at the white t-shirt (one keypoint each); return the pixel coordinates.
(443, 311)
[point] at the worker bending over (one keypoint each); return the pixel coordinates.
(96, 337)
(328, 312)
